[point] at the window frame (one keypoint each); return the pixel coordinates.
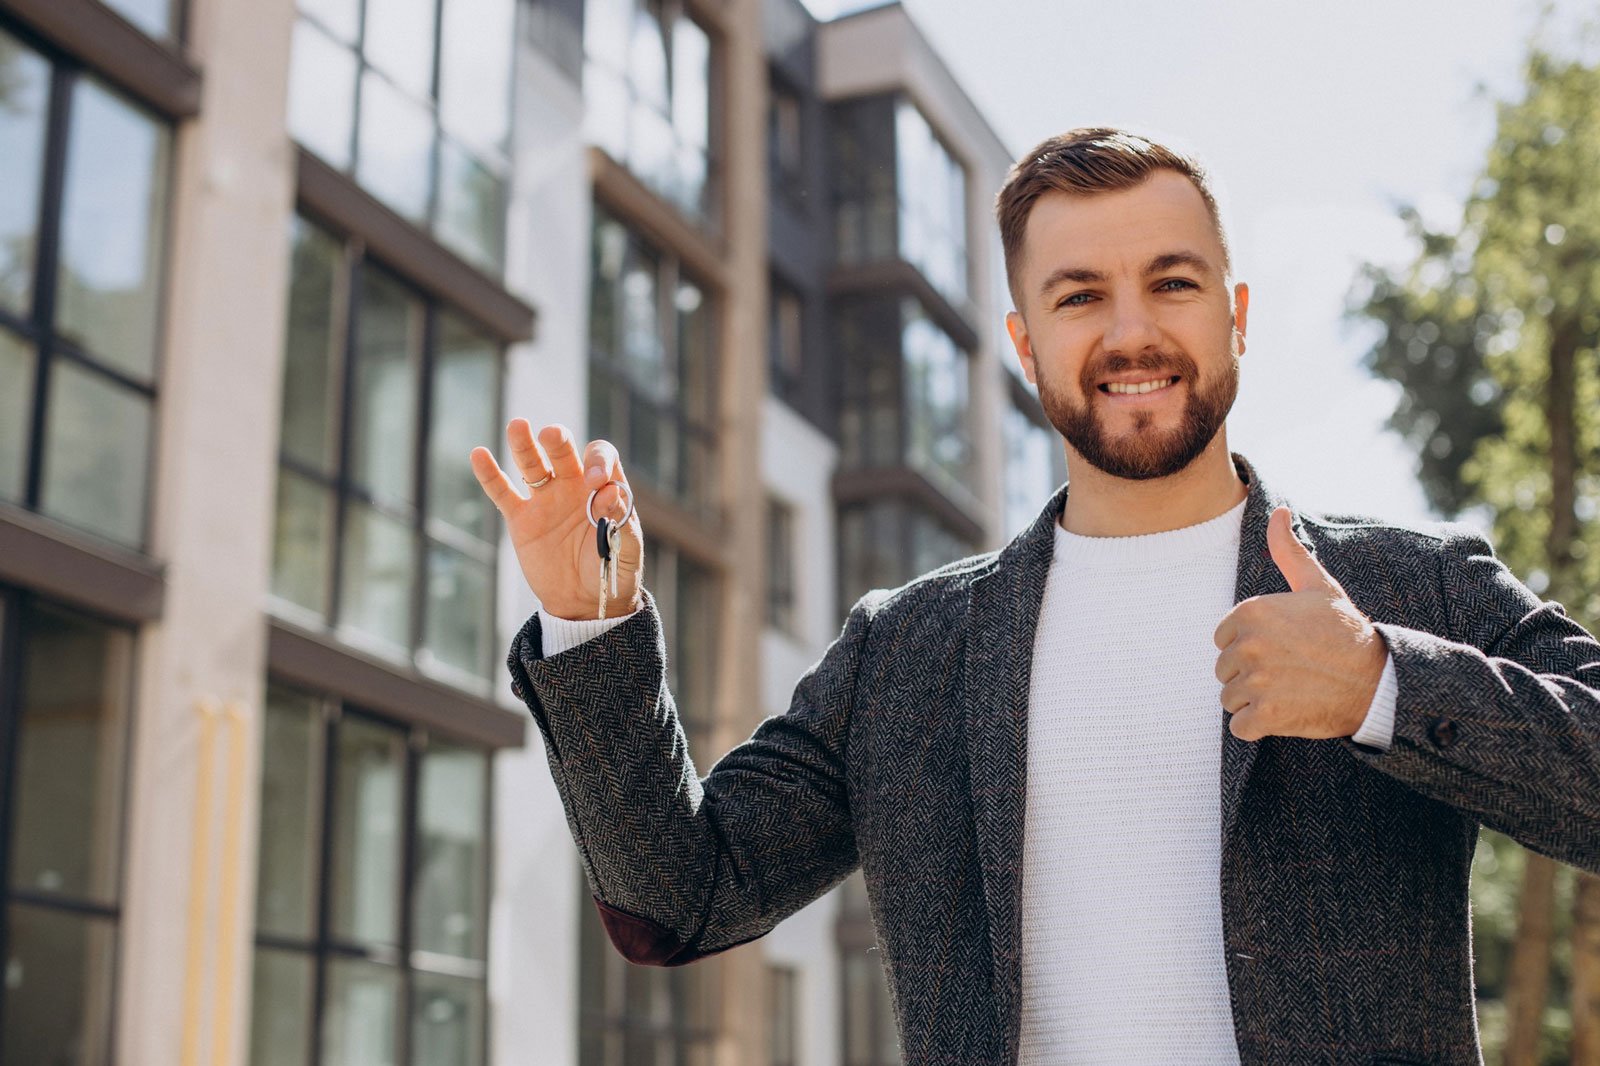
(16, 605)
(324, 945)
(38, 327)
(350, 268)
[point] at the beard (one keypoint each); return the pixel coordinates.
(1145, 452)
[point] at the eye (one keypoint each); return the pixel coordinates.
(1183, 282)
(1072, 299)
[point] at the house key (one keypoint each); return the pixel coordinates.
(607, 537)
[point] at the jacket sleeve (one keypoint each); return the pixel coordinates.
(682, 867)
(1501, 719)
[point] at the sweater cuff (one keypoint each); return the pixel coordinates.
(1377, 731)
(559, 634)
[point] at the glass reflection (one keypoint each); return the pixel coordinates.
(458, 624)
(24, 107)
(360, 1014)
(451, 852)
(383, 409)
(399, 42)
(291, 811)
(58, 977)
(369, 794)
(310, 374)
(447, 1020)
(96, 449)
(379, 568)
(154, 17)
(113, 225)
(16, 414)
(322, 94)
(395, 157)
(280, 998)
(67, 827)
(302, 536)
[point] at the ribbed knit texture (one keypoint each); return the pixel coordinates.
(1122, 956)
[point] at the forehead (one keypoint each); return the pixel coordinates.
(1123, 228)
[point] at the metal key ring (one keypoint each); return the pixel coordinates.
(589, 507)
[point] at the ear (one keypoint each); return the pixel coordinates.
(1018, 330)
(1241, 311)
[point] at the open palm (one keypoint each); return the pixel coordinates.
(550, 530)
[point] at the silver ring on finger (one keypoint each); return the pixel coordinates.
(536, 484)
(589, 507)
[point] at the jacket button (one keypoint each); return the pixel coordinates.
(1443, 732)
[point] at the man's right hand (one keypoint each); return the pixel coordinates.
(550, 529)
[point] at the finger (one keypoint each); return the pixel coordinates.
(1236, 695)
(614, 499)
(1229, 665)
(1229, 628)
(530, 461)
(557, 442)
(494, 481)
(1245, 726)
(1299, 567)
(600, 464)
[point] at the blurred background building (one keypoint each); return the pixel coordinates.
(268, 272)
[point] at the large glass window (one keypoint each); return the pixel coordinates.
(652, 376)
(933, 203)
(888, 542)
(372, 891)
(382, 532)
(868, 1014)
(413, 99)
(782, 566)
(648, 88)
(905, 393)
(1035, 468)
(65, 687)
(80, 293)
(785, 341)
(899, 192)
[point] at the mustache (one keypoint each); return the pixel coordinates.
(1155, 363)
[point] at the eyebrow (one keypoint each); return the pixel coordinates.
(1163, 262)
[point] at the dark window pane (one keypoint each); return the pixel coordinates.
(396, 147)
(24, 106)
(302, 542)
(379, 567)
(780, 566)
(280, 1026)
(291, 811)
(452, 853)
(464, 414)
(383, 409)
(322, 94)
(369, 792)
(113, 228)
(459, 592)
(16, 412)
(313, 343)
(447, 1020)
(933, 218)
(97, 444)
(697, 389)
(472, 207)
(360, 1015)
(77, 675)
(58, 984)
(937, 440)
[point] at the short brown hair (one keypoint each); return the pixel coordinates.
(1084, 161)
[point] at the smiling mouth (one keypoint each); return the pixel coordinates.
(1117, 388)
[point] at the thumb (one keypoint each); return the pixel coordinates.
(1299, 567)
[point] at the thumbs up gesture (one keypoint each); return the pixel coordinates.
(1302, 663)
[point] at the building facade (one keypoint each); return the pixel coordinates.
(268, 271)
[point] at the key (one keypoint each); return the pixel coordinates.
(602, 545)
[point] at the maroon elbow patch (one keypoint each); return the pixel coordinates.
(641, 941)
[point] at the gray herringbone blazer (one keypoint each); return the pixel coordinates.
(1344, 869)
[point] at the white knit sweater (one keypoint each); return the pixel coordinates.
(1122, 959)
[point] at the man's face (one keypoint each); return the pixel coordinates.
(1123, 290)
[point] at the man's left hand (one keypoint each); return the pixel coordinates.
(1303, 663)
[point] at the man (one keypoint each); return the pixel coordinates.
(1179, 775)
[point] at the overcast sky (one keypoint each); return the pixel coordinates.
(1315, 120)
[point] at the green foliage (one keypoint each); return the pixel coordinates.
(1466, 330)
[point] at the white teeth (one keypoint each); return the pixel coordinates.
(1141, 387)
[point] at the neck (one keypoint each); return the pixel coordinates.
(1099, 505)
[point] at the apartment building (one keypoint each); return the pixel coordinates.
(268, 271)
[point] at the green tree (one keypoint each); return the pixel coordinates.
(1491, 332)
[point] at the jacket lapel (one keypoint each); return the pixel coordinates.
(1002, 621)
(1002, 617)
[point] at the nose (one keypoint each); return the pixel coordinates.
(1132, 327)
